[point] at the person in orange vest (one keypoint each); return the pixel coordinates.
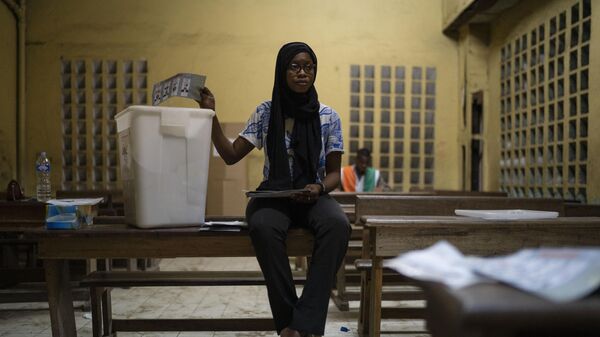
(361, 177)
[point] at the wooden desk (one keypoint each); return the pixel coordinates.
(120, 241)
(419, 205)
(393, 235)
(494, 310)
(445, 205)
(385, 203)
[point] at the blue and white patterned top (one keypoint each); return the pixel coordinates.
(331, 134)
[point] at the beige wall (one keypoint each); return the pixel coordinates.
(8, 96)
(235, 44)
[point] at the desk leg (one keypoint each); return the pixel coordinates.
(364, 306)
(60, 298)
(375, 291)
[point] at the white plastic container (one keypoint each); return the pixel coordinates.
(164, 154)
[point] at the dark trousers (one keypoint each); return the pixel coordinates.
(269, 221)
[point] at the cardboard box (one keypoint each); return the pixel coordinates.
(227, 182)
(70, 217)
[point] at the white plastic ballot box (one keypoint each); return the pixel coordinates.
(164, 153)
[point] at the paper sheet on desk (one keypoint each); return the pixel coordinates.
(75, 202)
(506, 214)
(556, 274)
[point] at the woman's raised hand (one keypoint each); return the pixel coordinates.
(208, 99)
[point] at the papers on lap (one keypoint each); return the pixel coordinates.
(224, 226)
(274, 194)
(556, 274)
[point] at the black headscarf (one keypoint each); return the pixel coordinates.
(306, 134)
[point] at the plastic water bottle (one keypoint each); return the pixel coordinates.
(42, 170)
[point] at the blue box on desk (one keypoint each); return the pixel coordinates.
(69, 217)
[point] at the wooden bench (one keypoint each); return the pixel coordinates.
(56, 248)
(459, 192)
(393, 235)
(348, 199)
(377, 205)
(100, 284)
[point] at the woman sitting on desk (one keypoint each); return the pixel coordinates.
(302, 139)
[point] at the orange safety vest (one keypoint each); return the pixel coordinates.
(349, 179)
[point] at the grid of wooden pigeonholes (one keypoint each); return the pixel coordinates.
(93, 92)
(392, 113)
(544, 108)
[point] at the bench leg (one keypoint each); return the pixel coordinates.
(364, 305)
(96, 309)
(107, 314)
(60, 298)
(375, 291)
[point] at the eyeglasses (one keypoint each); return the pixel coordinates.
(308, 68)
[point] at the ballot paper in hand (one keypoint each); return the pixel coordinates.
(181, 85)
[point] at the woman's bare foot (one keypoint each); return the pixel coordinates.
(287, 332)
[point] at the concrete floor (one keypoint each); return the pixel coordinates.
(33, 320)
